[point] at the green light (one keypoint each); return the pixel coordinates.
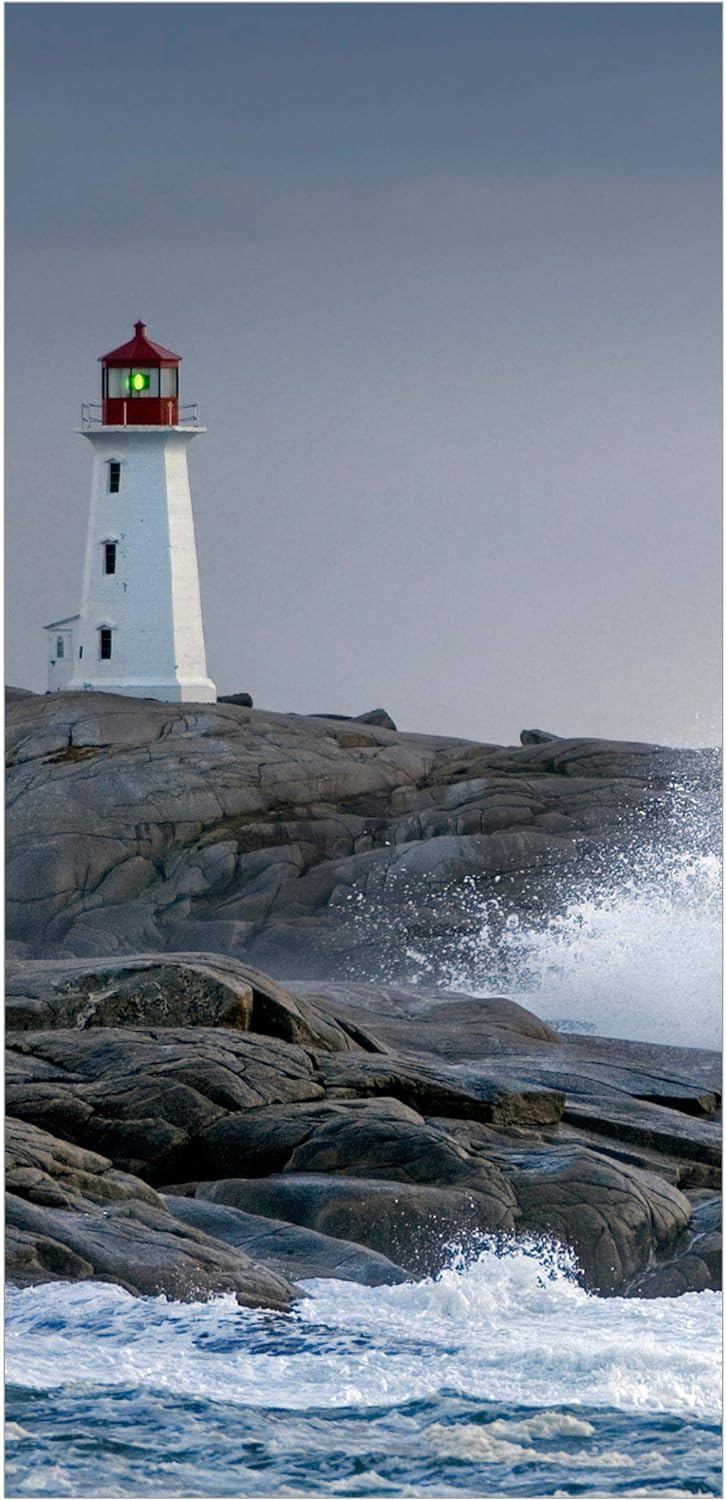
(139, 382)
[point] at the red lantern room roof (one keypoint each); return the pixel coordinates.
(140, 351)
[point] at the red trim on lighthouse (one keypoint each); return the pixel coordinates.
(140, 351)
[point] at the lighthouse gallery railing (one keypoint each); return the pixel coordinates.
(92, 415)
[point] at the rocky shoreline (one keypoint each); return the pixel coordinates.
(181, 1122)
(310, 846)
(184, 1124)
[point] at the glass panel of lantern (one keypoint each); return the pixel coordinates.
(144, 383)
(117, 382)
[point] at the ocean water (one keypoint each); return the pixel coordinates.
(501, 1376)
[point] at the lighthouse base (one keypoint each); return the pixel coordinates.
(201, 690)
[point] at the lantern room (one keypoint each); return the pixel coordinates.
(140, 384)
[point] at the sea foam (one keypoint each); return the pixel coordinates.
(512, 1327)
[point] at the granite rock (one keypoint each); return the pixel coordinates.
(140, 1096)
(71, 1214)
(464, 1119)
(413, 1225)
(144, 1249)
(137, 826)
(168, 990)
(297, 1253)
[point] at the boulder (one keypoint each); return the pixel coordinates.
(695, 1263)
(144, 1249)
(299, 1254)
(70, 1214)
(377, 716)
(140, 1096)
(616, 1218)
(413, 1225)
(537, 736)
(191, 989)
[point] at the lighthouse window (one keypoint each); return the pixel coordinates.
(114, 476)
(109, 557)
(143, 382)
(117, 382)
(60, 647)
(170, 382)
(105, 643)
(130, 382)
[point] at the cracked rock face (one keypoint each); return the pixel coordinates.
(137, 826)
(140, 1096)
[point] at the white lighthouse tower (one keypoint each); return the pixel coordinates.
(140, 627)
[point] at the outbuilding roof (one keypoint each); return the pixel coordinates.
(140, 351)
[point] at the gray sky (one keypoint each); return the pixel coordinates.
(446, 280)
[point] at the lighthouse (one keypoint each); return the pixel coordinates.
(140, 629)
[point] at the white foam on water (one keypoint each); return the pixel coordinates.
(478, 1443)
(14, 1433)
(513, 1328)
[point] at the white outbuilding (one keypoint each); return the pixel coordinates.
(140, 628)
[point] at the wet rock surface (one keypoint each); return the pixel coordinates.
(695, 1263)
(412, 1225)
(146, 1250)
(170, 1157)
(142, 1096)
(71, 1215)
(287, 1248)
